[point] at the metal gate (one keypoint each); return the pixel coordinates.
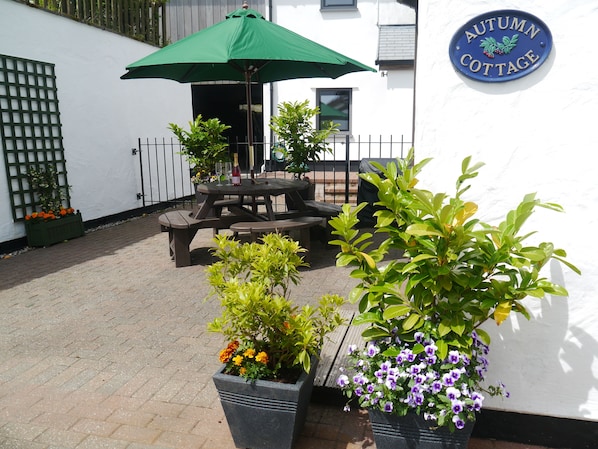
(164, 172)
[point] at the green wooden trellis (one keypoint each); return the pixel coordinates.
(30, 129)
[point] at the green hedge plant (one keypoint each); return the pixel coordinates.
(427, 307)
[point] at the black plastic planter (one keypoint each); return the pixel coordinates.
(264, 414)
(414, 432)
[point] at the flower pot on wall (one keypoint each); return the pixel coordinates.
(414, 432)
(265, 414)
(46, 233)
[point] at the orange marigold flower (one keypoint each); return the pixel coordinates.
(249, 353)
(63, 212)
(34, 215)
(243, 371)
(262, 357)
(27, 217)
(224, 355)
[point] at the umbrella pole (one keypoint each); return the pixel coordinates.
(249, 121)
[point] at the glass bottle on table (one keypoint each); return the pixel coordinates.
(236, 171)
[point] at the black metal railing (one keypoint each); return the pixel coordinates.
(164, 174)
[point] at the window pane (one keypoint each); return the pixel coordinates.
(335, 106)
(330, 3)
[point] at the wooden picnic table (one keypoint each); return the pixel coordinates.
(183, 225)
(258, 190)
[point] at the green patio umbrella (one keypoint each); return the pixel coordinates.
(244, 47)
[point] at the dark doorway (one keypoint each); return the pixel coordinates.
(228, 103)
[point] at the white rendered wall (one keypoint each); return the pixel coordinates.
(535, 134)
(380, 105)
(102, 116)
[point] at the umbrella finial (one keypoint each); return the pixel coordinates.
(245, 5)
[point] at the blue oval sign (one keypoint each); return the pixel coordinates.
(500, 46)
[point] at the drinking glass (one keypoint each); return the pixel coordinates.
(228, 169)
(219, 172)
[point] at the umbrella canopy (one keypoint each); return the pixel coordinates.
(244, 47)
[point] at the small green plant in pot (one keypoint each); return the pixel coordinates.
(301, 143)
(270, 337)
(50, 195)
(56, 221)
(203, 145)
(270, 363)
(424, 348)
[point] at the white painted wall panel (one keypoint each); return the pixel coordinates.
(102, 116)
(536, 134)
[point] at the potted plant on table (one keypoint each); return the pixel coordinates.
(55, 222)
(270, 361)
(424, 354)
(299, 141)
(204, 144)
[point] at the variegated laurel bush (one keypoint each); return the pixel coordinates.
(269, 336)
(457, 272)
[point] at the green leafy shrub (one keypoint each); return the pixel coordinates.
(252, 282)
(203, 145)
(456, 274)
(301, 141)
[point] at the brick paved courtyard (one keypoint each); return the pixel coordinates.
(103, 344)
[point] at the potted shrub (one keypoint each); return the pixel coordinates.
(203, 145)
(425, 350)
(299, 142)
(269, 364)
(55, 222)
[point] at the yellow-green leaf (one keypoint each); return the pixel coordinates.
(458, 328)
(533, 254)
(422, 229)
(411, 322)
(395, 311)
(469, 209)
(368, 259)
(443, 329)
(442, 349)
(536, 292)
(356, 294)
(483, 335)
(502, 312)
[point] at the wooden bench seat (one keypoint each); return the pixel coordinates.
(182, 227)
(323, 209)
(301, 224)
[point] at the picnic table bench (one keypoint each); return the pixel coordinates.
(182, 227)
(301, 224)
